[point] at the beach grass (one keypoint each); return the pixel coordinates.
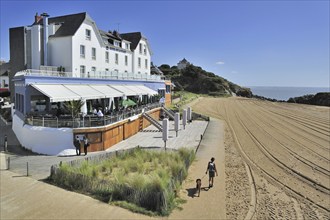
(144, 181)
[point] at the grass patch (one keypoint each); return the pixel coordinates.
(143, 181)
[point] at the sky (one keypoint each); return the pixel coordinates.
(251, 43)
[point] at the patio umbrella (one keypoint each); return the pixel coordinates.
(128, 102)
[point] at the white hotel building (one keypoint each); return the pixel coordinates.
(66, 58)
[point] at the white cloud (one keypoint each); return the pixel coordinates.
(220, 62)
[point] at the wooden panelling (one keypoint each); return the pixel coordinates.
(102, 138)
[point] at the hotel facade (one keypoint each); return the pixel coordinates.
(67, 58)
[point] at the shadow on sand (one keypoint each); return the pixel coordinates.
(192, 192)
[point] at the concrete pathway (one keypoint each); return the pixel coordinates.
(211, 203)
(26, 198)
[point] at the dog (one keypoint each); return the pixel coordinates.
(198, 186)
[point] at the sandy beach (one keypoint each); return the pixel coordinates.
(277, 158)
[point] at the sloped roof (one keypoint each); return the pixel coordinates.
(133, 37)
(4, 69)
(69, 24)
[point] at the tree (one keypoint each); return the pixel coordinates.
(74, 107)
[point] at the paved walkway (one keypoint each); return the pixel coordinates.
(39, 165)
(26, 198)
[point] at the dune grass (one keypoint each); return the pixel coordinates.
(143, 181)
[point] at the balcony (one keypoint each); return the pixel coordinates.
(93, 75)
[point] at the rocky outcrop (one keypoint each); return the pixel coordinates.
(322, 98)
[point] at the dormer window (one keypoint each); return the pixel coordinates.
(127, 46)
(88, 34)
(116, 43)
(140, 48)
(145, 49)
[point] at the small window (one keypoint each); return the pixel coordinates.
(126, 60)
(116, 58)
(116, 43)
(106, 56)
(127, 46)
(106, 70)
(146, 63)
(93, 69)
(168, 88)
(88, 34)
(82, 71)
(139, 62)
(145, 49)
(82, 51)
(93, 53)
(140, 48)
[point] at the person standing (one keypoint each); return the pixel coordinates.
(211, 168)
(76, 143)
(86, 145)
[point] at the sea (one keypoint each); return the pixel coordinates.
(284, 93)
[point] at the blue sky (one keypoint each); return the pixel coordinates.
(251, 43)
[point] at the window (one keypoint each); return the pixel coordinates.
(146, 63)
(82, 71)
(139, 62)
(126, 60)
(140, 48)
(116, 58)
(106, 56)
(93, 53)
(126, 46)
(88, 34)
(106, 70)
(145, 49)
(82, 51)
(93, 69)
(116, 43)
(168, 88)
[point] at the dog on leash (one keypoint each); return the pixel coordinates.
(198, 186)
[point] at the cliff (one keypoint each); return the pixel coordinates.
(195, 79)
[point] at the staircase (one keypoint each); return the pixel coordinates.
(153, 121)
(169, 112)
(141, 124)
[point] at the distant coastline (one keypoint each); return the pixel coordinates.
(284, 93)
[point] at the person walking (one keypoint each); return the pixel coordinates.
(211, 168)
(86, 145)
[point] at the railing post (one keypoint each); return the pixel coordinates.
(43, 121)
(56, 122)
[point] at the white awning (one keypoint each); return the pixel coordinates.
(67, 92)
(124, 90)
(85, 91)
(56, 92)
(147, 90)
(107, 91)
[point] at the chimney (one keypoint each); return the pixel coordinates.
(37, 18)
(45, 25)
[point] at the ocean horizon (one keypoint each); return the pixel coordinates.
(284, 92)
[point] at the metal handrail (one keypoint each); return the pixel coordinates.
(95, 75)
(88, 120)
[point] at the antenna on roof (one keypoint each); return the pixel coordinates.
(118, 23)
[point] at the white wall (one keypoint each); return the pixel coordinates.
(143, 56)
(35, 47)
(80, 39)
(50, 141)
(60, 52)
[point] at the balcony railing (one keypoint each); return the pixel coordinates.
(88, 120)
(93, 75)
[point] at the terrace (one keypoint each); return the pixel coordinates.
(111, 75)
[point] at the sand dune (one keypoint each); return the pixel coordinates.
(286, 150)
